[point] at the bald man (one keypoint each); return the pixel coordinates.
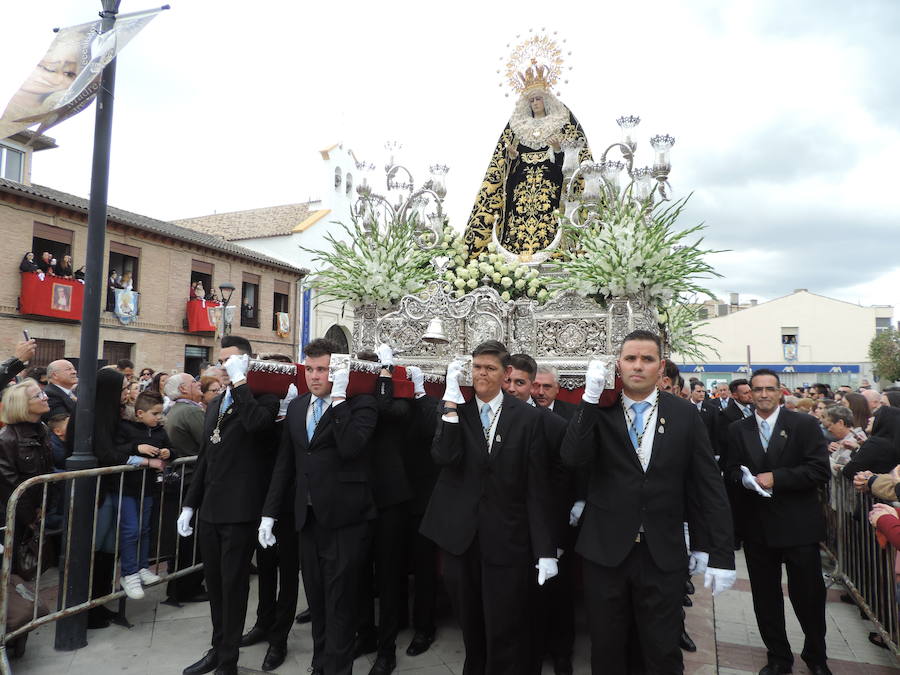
(62, 378)
(873, 398)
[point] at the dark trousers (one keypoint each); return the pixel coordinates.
(554, 615)
(806, 590)
(331, 562)
(279, 581)
(425, 574)
(186, 587)
(226, 549)
(637, 593)
(491, 603)
(387, 553)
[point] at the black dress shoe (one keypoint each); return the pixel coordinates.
(685, 642)
(275, 656)
(687, 602)
(420, 643)
(253, 637)
(562, 665)
(364, 645)
(385, 664)
(820, 669)
(205, 665)
(304, 617)
(775, 669)
(689, 587)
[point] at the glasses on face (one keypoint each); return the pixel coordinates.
(38, 396)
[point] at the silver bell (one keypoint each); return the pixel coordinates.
(435, 333)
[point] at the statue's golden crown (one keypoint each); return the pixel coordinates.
(534, 64)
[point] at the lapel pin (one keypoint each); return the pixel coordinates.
(661, 429)
(783, 434)
(662, 420)
(497, 438)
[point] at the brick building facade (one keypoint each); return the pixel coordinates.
(164, 260)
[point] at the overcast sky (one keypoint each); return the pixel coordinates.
(785, 113)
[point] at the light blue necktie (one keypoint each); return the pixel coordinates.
(765, 433)
(226, 400)
(314, 420)
(486, 417)
(637, 427)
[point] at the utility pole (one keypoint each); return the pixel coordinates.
(71, 632)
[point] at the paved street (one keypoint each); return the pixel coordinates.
(165, 639)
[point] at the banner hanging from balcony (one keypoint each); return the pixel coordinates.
(126, 307)
(51, 296)
(283, 325)
(67, 79)
(202, 316)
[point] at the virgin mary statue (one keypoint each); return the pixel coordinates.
(522, 186)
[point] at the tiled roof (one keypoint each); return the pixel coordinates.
(145, 223)
(271, 221)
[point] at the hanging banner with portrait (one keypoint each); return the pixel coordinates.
(126, 307)
(67, 79)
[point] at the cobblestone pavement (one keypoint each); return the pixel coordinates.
(165, 639)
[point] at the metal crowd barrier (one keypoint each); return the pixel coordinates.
(860, 563)
(169, 551)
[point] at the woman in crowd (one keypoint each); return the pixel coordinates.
(860, 409)
(210, 387)
(891, 399)
(64, 269)
(28, 264)
(881, 451)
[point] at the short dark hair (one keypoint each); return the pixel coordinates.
(281, 358)
(122, 364)
(694, 384)
(821, 388)
(493, 348)
(893, 398)
(36, 373)
(242, 344)
(734, 384)
(643, 335)
(524, 363)
(671, 371)
(147, 399)
(57, 421)
(839, 413)
(765, 371)
(367, 355)
(321, 347)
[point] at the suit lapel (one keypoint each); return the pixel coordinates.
(779, 438)
(660, 440)
(620, 426)
(504, 424)
(754, 446)
(323, 424)
(299, 420)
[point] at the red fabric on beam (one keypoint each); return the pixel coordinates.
(54, 296)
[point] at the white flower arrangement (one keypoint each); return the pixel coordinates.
(512, 280)
(679, 323)
(634, 250)
(374, 265)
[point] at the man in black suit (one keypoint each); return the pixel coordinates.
(422, 473)
(740, 405)
(391, 492)
(491, 513)
(545, 391)
(62, 378)
(649, 456)
(781, 458)
(227, 492)
(709, 411)
(325, 446)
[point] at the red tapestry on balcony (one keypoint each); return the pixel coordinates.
(200, 316)
(54, 296)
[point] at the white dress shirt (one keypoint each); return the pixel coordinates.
(494, 404)
(312, 403)
(649, 425)
(771, 420)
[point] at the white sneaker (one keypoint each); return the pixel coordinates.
(147, 577)
(131, 584)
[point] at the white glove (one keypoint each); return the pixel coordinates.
(575, 513)
(184, 522)
(385, 355)
(339, 385)
(719, 581)
(748, 480)
(418, 379)
(286, 401)
(698, 562)
(264, 534)
(594, 382)
(452, 393)
(547, 569)
(237, 366)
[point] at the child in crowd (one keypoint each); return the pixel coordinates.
(142, 442)
(58, 425)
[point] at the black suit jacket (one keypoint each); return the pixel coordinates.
(59, 401)
(504, 497)
(622, 497)
(390, 485)
(231, 476)
(420, 467)
(709, 412)
(727, 417)
(564, 409)
(562, 479)
(798, 459)
(331, 469)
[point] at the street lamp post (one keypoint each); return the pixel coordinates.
(226, 290)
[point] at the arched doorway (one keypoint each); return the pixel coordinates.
(340, 336)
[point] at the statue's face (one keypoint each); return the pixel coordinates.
(537, 104)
